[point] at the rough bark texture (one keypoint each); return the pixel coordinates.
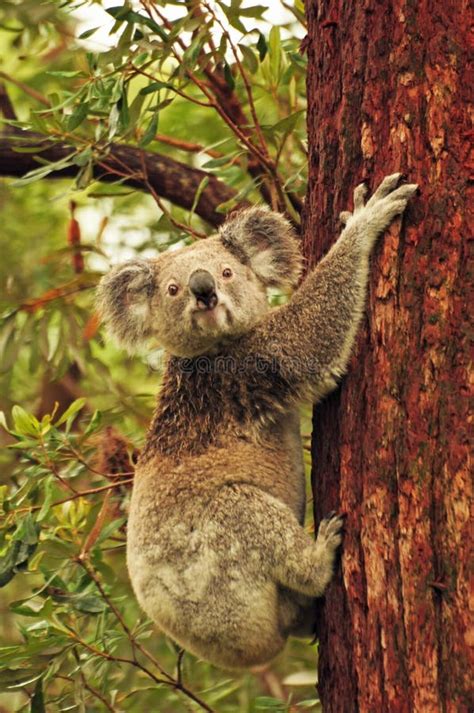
(387, 90)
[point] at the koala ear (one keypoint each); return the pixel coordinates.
(266, 242)
(123, 301)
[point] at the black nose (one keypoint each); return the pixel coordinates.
(203, 287)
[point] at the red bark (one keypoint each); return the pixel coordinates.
(387, 91)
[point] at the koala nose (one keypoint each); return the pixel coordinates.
(203, 286)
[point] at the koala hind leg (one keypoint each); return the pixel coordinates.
(305, 565)
(293, 559)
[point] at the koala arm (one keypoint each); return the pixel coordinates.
(309, 340)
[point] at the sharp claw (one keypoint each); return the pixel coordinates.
(359, 195)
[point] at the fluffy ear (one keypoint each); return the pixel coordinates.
(123, 301)
(266, 242)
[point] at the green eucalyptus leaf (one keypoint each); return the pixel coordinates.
(27, 531)
(250, 60)
(262, 46)
(78, 116)
(25, 423)
(48, 498)
(93, 424)
(71, 412)
(20, 549)
(155, 87)
(204, 183)
(229, 77)
(150, 131)
(88, 33)
(288, 123)
(124, 14)
(274, 44)
(37, 701)
(89, 604)
(65, 73)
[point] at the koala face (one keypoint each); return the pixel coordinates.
(193, 299)
(203, 295)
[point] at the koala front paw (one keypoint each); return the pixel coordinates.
(123, 300)
(330, 532)
(389, 200)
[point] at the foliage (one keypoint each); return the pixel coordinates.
(213, 86)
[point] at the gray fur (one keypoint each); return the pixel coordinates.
(216, 550)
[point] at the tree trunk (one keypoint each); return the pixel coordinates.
(387, 91)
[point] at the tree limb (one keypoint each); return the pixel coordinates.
(172, 180)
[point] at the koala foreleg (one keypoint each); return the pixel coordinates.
(311, 337)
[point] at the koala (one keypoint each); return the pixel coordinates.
(216, 549)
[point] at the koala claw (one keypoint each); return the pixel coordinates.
(369, 220)
(359, 196)
(388, 184)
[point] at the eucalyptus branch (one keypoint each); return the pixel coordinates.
(265, 161)
(118, 615)
(76, 495)
(87, 685)
(136, 664)
(243, 74)
(172, 180)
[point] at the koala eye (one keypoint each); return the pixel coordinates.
(173, 289)
(227, 272)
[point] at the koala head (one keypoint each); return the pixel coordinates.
(193, 299)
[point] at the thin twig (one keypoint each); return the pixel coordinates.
(87, 685)
(78, 494)
(26, 89)
(134, 643)
(177, 91)
(187, 146)
(54, 470)
(179, 668)
(160, 204)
